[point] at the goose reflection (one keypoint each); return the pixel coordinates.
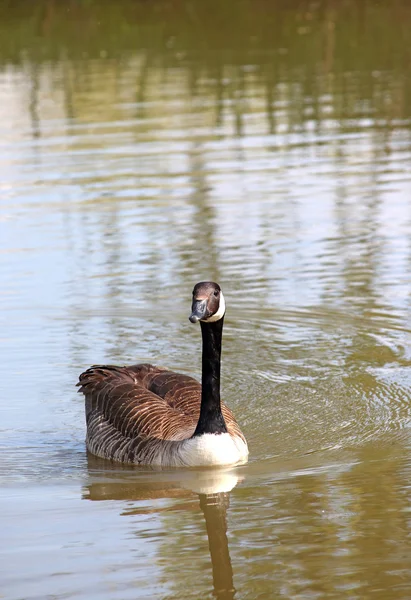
(209, 489)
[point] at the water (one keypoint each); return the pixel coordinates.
(267, 146)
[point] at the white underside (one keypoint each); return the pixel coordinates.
(212, 449)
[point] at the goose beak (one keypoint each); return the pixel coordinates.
(198, 310)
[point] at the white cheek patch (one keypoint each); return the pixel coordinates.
(220, 313)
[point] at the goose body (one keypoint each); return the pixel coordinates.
(149, 415)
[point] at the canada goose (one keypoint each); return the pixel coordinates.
(152, 416)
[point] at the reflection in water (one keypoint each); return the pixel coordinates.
(214, 507)
(118, 482)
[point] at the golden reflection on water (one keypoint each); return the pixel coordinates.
(322, 528)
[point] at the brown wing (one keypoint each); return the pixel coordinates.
(122, 396)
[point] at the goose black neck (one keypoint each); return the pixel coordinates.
(211, 418)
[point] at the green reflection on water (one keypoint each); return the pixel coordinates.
(361, 49)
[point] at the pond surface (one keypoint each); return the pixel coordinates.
(265, 145)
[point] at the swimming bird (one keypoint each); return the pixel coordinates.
(148, 415)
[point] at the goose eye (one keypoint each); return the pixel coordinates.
(216, 292)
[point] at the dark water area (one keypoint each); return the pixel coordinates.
(145, 146)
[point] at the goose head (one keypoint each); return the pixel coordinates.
(208, 302)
